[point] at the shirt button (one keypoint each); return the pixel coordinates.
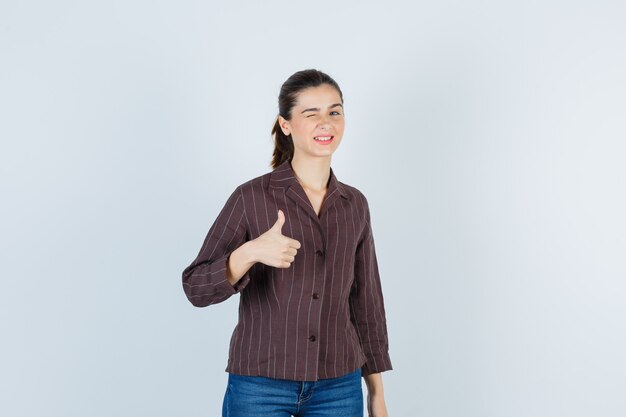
(316, 295)
(312, 338)
(319, 253)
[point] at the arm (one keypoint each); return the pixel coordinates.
(367, 310)
(221, 268)
(367, 313)
(374, 384)
(376, 406)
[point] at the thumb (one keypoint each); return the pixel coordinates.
(279, 222)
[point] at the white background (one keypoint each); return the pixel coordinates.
(488, 137)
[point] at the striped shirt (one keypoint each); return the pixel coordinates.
(323, 316)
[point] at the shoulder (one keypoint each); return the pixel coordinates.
(355, 194)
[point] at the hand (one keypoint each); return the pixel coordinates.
(376, 405)
(275, 249)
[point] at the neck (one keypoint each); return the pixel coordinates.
(312, 173)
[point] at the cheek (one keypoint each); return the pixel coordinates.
(305, 127)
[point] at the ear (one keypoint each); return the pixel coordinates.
(284, 125)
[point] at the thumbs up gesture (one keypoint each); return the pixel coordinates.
(275, 249)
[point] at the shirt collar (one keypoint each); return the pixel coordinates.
(283, 177)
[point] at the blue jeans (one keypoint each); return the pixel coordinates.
(259, 396)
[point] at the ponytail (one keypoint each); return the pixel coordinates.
(283, 145)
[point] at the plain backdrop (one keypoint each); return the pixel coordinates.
(488, 137)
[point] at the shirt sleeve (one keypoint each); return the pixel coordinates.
(204, 280)
(367, 310)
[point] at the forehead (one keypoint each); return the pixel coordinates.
(323, 94)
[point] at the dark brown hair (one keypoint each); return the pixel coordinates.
(283, 145)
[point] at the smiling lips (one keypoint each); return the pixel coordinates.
(323, 139)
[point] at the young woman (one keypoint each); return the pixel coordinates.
(297, 245)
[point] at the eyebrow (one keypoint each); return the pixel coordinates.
(317, 108)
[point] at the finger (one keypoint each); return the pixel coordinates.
(284, 264)
(278, 225)
(294, 243)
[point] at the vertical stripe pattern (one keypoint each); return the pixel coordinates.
(324, 316)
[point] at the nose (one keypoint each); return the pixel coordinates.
(325, 122)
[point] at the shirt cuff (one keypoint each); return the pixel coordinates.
(224, 287)
(376, 364)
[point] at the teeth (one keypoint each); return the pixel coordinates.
(323, 138)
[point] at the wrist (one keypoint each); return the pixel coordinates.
(249, 252)
(239, 262)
